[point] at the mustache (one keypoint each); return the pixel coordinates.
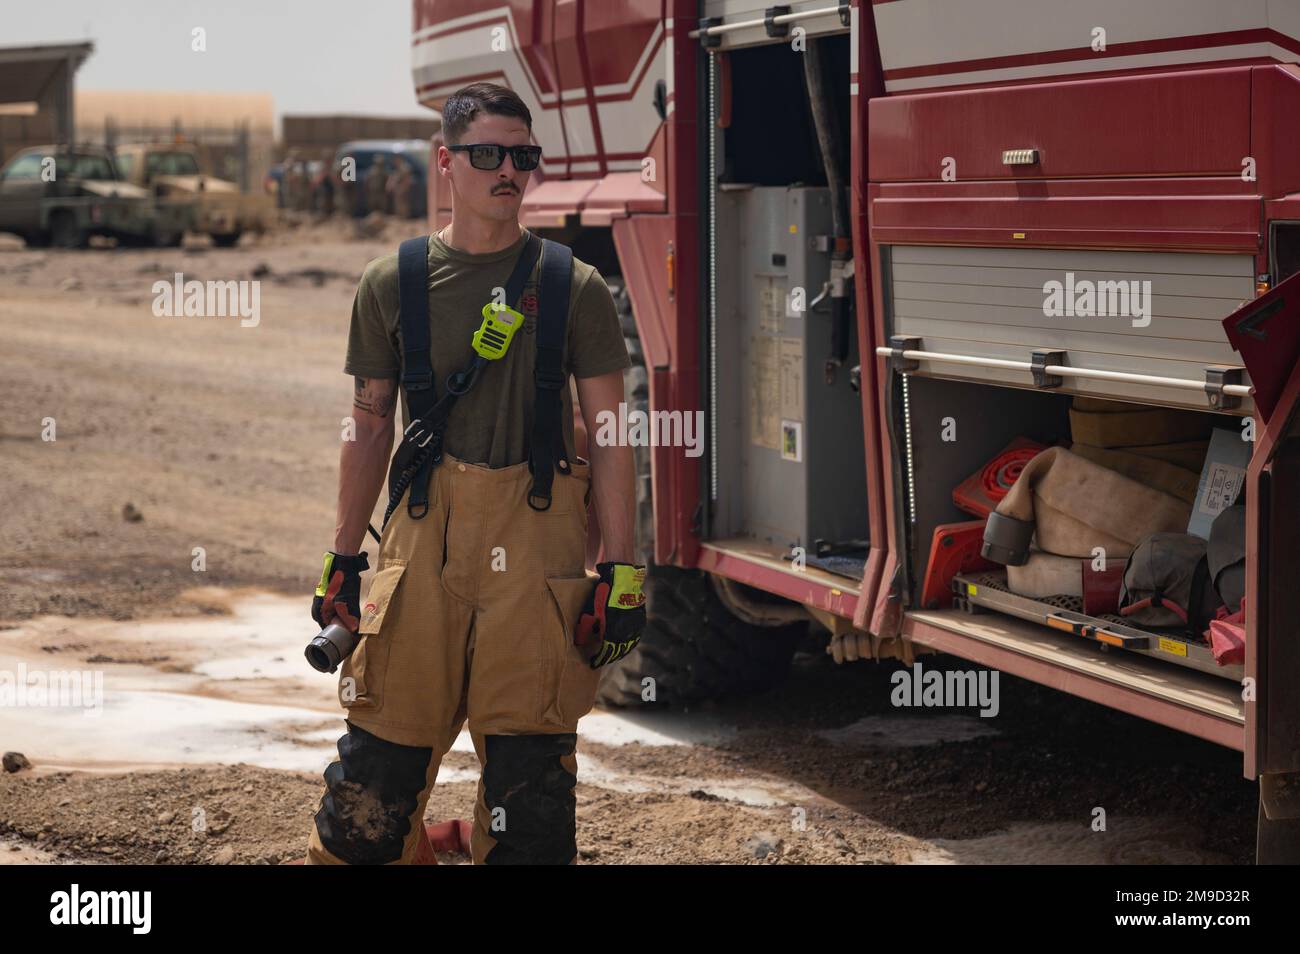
(505, 187)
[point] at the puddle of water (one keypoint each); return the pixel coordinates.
(250, 697)
(264, 640)
(247, 696)
(905, 731)
(151, 727)
(1127, 841)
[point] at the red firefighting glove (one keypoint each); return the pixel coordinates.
(338, 594)
(612, 621)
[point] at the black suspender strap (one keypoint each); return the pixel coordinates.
(523, 269)
(412, 464)
(546, 451)
(413, 315)
(421, 447)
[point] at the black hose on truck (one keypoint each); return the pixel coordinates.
(829, 139)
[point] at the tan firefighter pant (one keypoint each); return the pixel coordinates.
(469, 615)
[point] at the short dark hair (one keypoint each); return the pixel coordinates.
(465, 104)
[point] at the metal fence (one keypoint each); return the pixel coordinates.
(227, 152)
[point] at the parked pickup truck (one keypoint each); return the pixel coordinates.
(217, 207)
(61, 195)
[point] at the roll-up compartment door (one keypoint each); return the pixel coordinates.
(1152, 314)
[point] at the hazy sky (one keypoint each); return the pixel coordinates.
(313, 56)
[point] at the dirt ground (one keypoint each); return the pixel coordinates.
(181, 433)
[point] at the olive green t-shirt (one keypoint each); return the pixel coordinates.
(491, 424)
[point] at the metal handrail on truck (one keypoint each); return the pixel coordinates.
(1216, 381)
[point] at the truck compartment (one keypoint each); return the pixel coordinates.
(947, 432)
(788, 463)
(791, 465)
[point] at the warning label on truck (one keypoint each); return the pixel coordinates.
(771, 307)
(765, 392)
(792, 440)
(1173, 647)
(1222, 484)
(791, 359)
(776, 398)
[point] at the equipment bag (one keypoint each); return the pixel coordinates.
(1167, 584)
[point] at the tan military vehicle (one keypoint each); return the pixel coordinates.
(218, 208)
(62, 195)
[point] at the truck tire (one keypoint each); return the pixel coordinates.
(36, 239)
(636, 385)
(65, 232)
(693, 647)
(225, 239)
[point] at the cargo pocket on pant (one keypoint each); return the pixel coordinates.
(576, 690)
(361, 677)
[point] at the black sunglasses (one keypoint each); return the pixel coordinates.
(489, 155)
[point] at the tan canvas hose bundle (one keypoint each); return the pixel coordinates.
(1071, 506)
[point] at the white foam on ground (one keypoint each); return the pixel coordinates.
(151, 716)
(152, 727)
(624, 727)
(620, 727)
(764, 792)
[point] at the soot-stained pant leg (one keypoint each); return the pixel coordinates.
(525, 812)
(371, 808)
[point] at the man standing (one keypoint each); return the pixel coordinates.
(377, 185)
(325, 185)
(400, 185)
(481, 584)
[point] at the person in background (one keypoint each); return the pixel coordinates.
(400, 187)
(349, 189)
(377, 185)
(325, 186)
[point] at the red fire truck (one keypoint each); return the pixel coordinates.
(831, 227)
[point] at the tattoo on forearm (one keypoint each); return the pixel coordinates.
(374, 395)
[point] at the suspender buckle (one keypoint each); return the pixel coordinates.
(417, 433)
(417, 380)
(552, 381)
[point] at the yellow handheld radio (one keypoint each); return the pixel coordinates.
(500, 322)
